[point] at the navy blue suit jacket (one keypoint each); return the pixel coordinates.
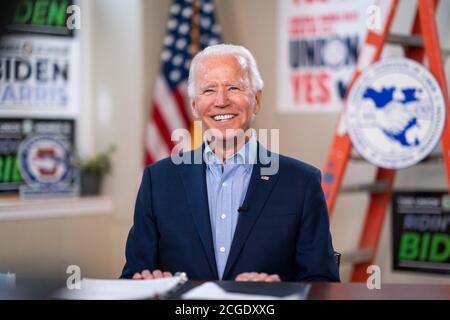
(284, 231)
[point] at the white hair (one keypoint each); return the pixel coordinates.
(244, 57)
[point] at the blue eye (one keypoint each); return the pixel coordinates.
(233, 88)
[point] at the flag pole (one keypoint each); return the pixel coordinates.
(195, 28)
(196, 131)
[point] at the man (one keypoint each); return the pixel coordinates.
(224, 218)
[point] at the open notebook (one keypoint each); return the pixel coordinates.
(121, 289)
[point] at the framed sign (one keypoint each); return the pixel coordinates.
(421, 231)
(13, 132)
(39, 76)
(318, 43)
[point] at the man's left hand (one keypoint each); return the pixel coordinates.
(255, 276)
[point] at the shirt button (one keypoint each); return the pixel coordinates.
(223, 216)
(225, 184)
(222, 249)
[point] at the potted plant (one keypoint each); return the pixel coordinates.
(92, 170)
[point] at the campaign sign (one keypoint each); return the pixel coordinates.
(48, 17)
(421, 231)
(13, 132)
(45, 162)
(39, 76)
(395, 113)
(317, 49)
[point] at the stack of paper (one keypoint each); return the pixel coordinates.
(97, 289)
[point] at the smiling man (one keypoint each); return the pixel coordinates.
(224, 99)
(224, 219)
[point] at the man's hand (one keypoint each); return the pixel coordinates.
(255, 276)
(156, 274)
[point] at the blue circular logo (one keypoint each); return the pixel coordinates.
(395, 113)
(44, 161)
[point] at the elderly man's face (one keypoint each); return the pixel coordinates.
(224, 100)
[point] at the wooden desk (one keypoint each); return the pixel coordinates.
(41, 288)
(388, 291)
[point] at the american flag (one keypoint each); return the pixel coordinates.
(191, 27)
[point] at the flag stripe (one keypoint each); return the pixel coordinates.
(147, 157)
(182, 106)
(156, 147)
(162, 126)
(169, 110)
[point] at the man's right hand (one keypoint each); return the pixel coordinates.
(156, 274)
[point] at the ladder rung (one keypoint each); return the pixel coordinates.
(356, 157)
(376, 187)
(410, 40)
(357, 256)
(432, 158)
(405, 40)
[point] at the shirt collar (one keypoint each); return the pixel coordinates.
(245, 156)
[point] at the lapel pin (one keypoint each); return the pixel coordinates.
(265, 178)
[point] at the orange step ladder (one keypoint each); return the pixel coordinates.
(423, 42)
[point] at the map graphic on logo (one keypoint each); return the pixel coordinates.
(395, 113)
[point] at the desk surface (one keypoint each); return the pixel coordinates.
(388, 291)
(39, 289)
(359, 291)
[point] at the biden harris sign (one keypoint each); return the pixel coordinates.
(395, 113)
(38, 76)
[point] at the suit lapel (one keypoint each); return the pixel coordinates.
(194, 183)
(258, 192)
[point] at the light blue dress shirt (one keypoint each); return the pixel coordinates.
(226, 193)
